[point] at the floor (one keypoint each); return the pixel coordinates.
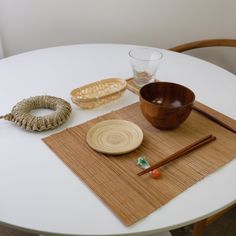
(225, 226)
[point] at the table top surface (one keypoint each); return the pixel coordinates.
(39, 193)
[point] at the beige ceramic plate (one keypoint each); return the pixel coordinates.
(115, 137)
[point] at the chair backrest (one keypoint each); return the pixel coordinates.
(212, 50)
(204, 43)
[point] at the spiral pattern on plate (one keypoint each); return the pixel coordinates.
(115, 136)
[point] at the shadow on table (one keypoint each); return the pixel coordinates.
(225, 226)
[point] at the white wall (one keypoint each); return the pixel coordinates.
(31, 24)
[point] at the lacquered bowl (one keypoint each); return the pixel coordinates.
(166, 105)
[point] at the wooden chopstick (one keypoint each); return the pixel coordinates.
(213, 118)
(193, 146)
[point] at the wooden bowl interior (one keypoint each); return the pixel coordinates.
(167, 94)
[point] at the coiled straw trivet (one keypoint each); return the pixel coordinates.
(20, 113)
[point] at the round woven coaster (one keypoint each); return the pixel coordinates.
(21, 115)
(115, 137)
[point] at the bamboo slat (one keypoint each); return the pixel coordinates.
(114, 178)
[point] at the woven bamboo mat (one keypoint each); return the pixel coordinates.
(114, 179)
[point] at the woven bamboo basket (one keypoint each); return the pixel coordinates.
(98, 93)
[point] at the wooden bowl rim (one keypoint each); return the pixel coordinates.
(167, 107)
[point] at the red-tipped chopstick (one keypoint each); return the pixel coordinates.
(195, 145)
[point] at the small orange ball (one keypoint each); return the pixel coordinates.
(155, 174)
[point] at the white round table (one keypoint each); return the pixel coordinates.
(39, 193)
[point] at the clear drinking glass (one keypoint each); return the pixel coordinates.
(144, 62)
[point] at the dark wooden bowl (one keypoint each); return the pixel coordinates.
(166, 105)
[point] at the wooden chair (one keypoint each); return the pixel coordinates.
(199, 227)
(205, 43)
(212, 50)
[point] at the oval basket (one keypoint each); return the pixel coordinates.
(98, 93)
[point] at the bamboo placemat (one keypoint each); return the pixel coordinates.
(114, 178)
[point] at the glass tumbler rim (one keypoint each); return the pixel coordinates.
(145, 49)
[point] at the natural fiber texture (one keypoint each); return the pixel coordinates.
(98, 93)
(114, 178)
(20, 113)
(115, 136)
